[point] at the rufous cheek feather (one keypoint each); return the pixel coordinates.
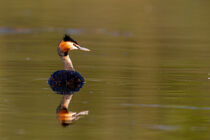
(64, 46)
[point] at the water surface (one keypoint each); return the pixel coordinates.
(146, 75)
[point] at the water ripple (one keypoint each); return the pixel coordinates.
(8, 30)
(166, 106)
(162, 127)
(75, 31)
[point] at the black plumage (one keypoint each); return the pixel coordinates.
(68, 38)
(66, 82)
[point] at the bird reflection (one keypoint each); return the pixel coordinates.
(67, 117)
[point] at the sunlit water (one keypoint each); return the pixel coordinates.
(147, 74)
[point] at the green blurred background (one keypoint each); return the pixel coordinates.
(146, 75)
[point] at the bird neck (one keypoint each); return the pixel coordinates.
(64, 104)
(67, 63)
(65, 101)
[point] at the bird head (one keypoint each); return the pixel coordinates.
(68, 44)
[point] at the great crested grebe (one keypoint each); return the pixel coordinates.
(66, 45)
(66, 81)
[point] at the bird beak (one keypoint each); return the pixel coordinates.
(82, 48)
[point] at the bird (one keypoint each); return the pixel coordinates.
(66, 45)
(66, 81)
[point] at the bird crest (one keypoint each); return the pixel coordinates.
(68, 38)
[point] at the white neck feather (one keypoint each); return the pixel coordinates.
(67, 63)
